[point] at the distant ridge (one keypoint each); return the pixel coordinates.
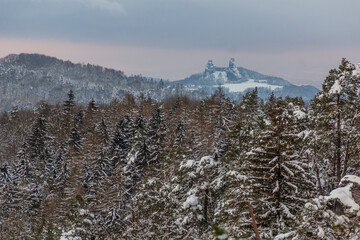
(238, 80)
(26, 79)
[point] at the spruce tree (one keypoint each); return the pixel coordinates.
(156, 135)
(121, 143)
(278, 177)
(335, 115)
(69, 103)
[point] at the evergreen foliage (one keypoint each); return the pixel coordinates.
(183, 168)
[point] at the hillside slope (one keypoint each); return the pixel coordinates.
(238, 80)
(26, 79)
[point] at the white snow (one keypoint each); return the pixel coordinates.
(207, 161)
(336, 88)
(299, 114)
(191, 201)
(267, 122)
(311, 206)
(236, 72)
(188, 164)
(284, 235)
(341, 220)
(350, 178)
(237, 175)
(287, 211)
(222, 236)
(68, 235)
(304, 134)
(241, 87)
(356, 72)
(345, 196)
(321, 233)
(82, 212)
(88, 221)
(220, 75)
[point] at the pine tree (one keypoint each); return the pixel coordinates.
(121, 143)
(69, 103)
(137, 160)
(68, 111)
(75, 140)
(198, 189)
(222, 116)
(156, 135)
(336, 116)
(278, 177)
(179, 134)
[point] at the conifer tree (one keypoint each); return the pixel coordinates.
(75, 140)
(138, 156)
(69, 103)
(198, 187)
(156, 135)
(278, 177)
(121, 143)
(336, 115)
(222, 116)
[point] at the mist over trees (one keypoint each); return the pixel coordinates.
(183, 168)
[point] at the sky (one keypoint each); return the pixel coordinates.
(299, 41)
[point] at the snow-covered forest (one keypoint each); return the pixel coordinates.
(181, 168)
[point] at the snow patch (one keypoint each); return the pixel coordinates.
(311, 206)
(241, 87)
(356, 72)
(345, 196)
(222, 236)
(321, 233)
(207, 161)
(220, 76)
(69, 235)
(336, 88)
(284, 235)
(237, 175)
(191, 201)
(188, 164)
(341, 220)
(304, 134)
(299, 114)
(350, 178)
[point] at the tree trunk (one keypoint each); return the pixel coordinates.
(346, 161)
(338, 142)
(317, 172)
(253, 220)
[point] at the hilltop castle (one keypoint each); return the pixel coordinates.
(229, 73)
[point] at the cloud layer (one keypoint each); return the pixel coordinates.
(302, 32)
(208, 24)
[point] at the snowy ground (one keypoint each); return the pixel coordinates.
(241, 87)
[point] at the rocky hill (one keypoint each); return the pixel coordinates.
(238, 80)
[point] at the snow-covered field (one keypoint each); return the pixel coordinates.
(241, 87)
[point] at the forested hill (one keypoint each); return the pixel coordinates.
(27, 79)
(185, 169)
(237, 81)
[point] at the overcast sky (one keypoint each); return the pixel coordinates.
(298, 40)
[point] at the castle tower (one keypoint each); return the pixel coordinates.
(209, 67)
(232, 63)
